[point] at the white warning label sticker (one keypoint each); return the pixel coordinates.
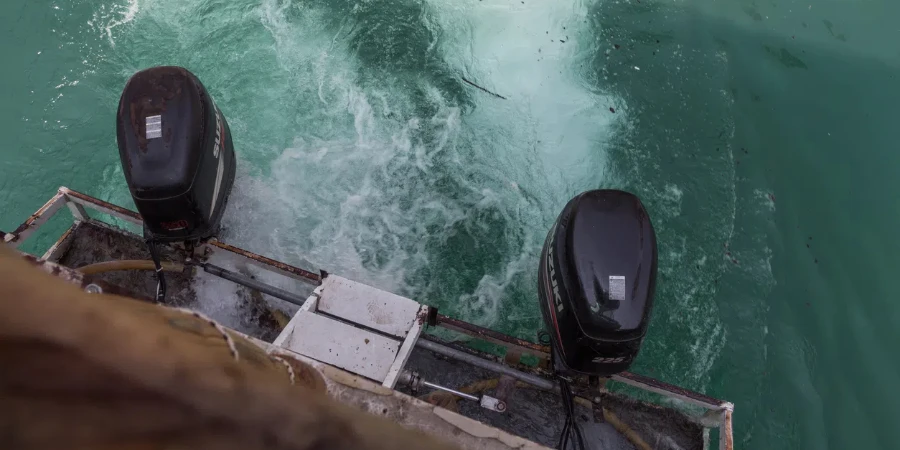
(154, 127)
(617, 287)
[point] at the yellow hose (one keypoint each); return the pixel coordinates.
(620, 426)
(129, 264)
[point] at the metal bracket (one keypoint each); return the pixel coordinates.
(410, 379)
(493, 404)
(78, 211)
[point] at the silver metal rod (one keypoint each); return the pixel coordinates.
(446, 389)
(252, 284)
(492, 366)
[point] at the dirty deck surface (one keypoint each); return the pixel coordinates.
(533, 414)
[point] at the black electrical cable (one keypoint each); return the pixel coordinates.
(568, 401)
(160, 276)
(571, 424)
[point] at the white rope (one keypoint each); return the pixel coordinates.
(228, 339)
(290, 368)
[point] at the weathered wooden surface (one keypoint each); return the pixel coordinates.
(82, 370)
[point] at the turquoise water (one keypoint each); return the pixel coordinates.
(761, 136)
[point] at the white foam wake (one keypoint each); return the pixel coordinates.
(387, 175)
(110, 17)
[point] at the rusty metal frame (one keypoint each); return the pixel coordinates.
(720, 409)
(253, 258)
(59, 248)
(726, 435)
(669, 390)
(77, 202)
(99, 205)
(37, 220)
(493, 337)
(268, 263)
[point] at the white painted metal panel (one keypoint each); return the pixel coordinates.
(405, 350)
(284, 337)
(367, 306)
(329, 341)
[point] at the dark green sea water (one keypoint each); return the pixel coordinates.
(763, 137)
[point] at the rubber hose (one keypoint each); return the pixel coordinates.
(636, 440)
(128, 264)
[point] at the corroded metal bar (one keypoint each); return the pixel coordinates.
(493, 336)
(287, 269)
(102, 206)
(726, 437)
(61, 245)
(39, 218)
(669, 390)
(133, 217)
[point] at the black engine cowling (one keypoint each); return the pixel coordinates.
(596, 282)
(176, 152)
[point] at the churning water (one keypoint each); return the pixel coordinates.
(758, 136)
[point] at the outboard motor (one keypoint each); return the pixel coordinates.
(176, 152)
(596, 282)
